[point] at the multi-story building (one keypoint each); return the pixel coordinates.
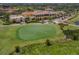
(45, 15)
(37, 15)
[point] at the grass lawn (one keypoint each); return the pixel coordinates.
(32, 37)
(57, 48)
(11, 36)
(74, 19)
(39, 31)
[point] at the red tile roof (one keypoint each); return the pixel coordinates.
(39, 13)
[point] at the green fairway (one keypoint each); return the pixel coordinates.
(39, 31)
(32, 38)
(11, 36)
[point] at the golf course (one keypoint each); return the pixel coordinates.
(20, 35)
(31, 39)
(39, 29)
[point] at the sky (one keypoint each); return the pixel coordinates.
(39, 1)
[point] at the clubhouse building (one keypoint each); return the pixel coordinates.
(37, 15)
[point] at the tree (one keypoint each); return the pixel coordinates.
(61, 26)
(48, 42)
(30, 9)
(75, 37)
(17, 49)
(6, 18)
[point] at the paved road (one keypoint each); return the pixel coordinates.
(60, 20)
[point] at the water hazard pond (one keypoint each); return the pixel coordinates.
(76, 23)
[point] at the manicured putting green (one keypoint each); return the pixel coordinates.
(38, 31)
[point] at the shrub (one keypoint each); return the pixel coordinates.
(75, 37)
(48, 42)
(17, 49)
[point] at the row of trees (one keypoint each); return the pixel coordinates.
(69, 34)
(5, 18)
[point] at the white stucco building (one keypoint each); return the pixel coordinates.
(16, 18)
